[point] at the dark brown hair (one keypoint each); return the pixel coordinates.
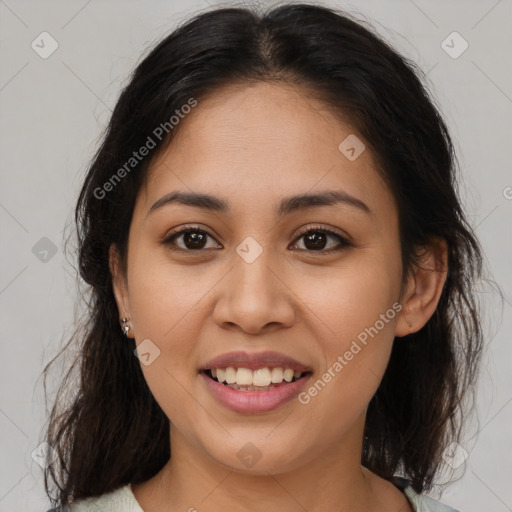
(111, 431)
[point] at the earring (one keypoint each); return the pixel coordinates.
(126, 327)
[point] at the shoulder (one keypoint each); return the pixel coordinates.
(420, 502)
(119, 500)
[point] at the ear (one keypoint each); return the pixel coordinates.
(119, 282)
(424, 287)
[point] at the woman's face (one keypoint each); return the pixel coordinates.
(246, 278)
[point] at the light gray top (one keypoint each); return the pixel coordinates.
(123, 500)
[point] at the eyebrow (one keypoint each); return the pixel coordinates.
(287, 205)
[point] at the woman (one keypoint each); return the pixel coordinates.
(271, 227)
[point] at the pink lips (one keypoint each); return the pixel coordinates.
(255, 360)
(251, 402)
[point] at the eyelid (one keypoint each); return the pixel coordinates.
(181, 230)
(345, 240)
(326, 229)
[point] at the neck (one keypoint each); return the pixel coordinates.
(332, 480)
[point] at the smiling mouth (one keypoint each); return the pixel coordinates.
(263, 379)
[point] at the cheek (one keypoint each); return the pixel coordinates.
(352, 296)
(168, 307)
(167, 310)
(358, 308)
(355, 361)
(166, 298)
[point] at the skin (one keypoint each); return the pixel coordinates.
(253, 146)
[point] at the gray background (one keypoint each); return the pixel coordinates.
(54, 111)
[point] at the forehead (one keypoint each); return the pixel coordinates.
(264, 140)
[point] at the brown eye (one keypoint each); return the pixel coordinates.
(192, 239)
(317, 239)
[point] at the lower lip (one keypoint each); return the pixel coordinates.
(254, 401)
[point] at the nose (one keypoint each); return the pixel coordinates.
(254, 297)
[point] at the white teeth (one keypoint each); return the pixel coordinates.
(230, 375)
(262, 377)
(243, 377)
(288, 375)
(277, 375)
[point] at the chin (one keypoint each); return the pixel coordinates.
(257, 457)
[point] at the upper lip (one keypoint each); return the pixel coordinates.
(255, 360)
